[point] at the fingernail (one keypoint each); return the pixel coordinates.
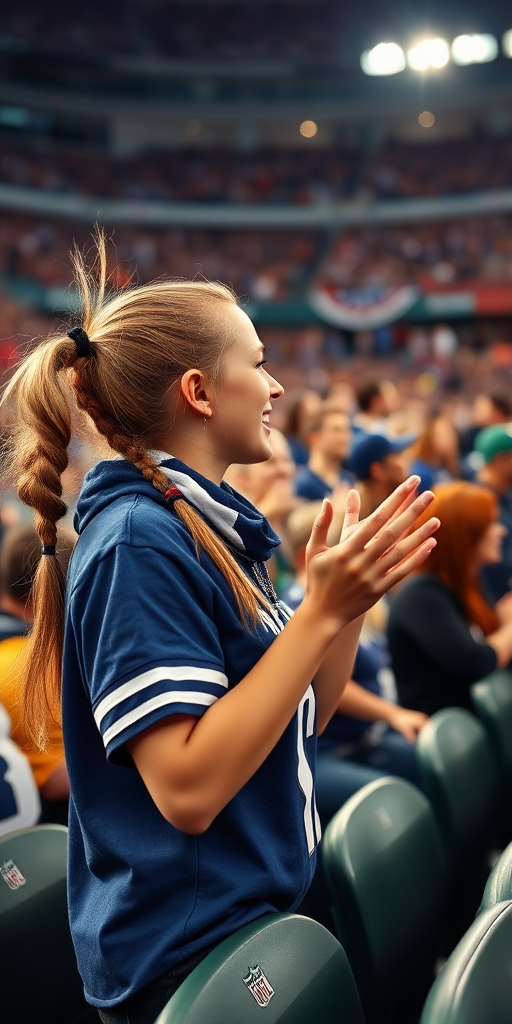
(413, 481)
(426, 498)
(324, 502)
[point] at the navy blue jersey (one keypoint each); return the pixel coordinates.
(150, 632)
(310, 486)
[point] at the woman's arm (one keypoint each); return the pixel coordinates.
(194, 767)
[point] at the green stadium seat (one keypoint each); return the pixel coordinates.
(289, 965)
(386, 868)
(461, 781)
(499, 884)
(39, 977)
(475, 985)
(492, 701)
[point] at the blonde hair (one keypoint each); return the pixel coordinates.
(142, 341)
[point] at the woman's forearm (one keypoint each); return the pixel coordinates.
(335, 671)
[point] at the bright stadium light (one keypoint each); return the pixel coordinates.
(384, 59)
(506, 42)
(428, 53)
(474, 49)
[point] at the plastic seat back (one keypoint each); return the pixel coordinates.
(492, 700)
(498, 888)
(289, 965)
(475, 985)
(39, 975)
(385, 866)
(461, 781)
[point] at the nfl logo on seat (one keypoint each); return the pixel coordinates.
(12, 875)
(259, 986)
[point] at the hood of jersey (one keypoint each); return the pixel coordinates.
(231, 515)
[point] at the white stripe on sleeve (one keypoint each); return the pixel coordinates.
(160, 701)
(176, 673)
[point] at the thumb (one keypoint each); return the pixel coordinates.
(318, 539)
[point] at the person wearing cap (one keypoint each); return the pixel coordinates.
(379, 464)
(493, 446)
(329, 436)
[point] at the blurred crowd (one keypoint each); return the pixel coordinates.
(273, 264)
(298, 175)
(446, 167)
(266, 265)
(426, 254)
(196, 175)
(198, 30)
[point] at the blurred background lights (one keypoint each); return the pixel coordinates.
(384, 59)
(474, 49)
(507, 43)
(429, 53)
(193, 127)
(426, 119)
(308, 129)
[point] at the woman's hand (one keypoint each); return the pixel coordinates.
(372, 556)
(408, 723)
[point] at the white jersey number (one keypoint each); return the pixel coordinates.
(306, 725)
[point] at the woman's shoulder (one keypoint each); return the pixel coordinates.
(132, 528)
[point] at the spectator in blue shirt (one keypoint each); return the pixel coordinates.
(330, 436)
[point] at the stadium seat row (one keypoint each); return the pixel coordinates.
(395, 862)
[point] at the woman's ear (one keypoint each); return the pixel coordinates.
(194, 391)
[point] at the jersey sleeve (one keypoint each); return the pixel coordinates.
(147, 642)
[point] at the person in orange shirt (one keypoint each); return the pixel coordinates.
(20, 552)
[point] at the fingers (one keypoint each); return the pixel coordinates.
(318, 539)
(389, 536)
(380, 519)
(408, 565)
(351, 517)
(401, 550)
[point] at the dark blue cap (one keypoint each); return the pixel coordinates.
(370, 448)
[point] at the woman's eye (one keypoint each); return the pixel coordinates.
(263, 361)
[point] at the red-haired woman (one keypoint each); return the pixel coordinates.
(443, 635)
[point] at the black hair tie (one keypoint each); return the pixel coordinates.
(83, 345)
(48, 549)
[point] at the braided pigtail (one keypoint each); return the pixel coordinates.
(248, 598)
(36, 456)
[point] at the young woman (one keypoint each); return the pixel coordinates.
(443, 635)
(188, 711)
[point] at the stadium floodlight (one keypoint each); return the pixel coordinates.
(428, 53)
(506, 42)
(474, 49)
(384, 59)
